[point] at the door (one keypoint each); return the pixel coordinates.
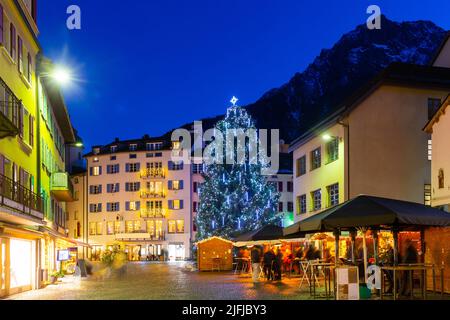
(21, 265)
(2, 267)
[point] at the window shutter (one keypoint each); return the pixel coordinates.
(171, 204)
(117, 168)
(138, 205)
(139, 186)
(100, 170)
(108, 207)
(108, 188)
(100, 189)
(117, 187)
(170, 185)
(20, 54)
(181, 204)
(91, 189)
(91, 171)
(181, 184)
(99, 207)
(127, 205)
(170, 165)
(108, 169)
(91, 208)
(138, 165)
(127, 186)
(127, 167)
(12, 41)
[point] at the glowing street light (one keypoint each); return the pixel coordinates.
(61, 75)
(327, 137)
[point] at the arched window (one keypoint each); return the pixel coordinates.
(441, 178)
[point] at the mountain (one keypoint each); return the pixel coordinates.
(337, 72)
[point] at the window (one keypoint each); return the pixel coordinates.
(280, 186)
(29, 67)
(113, 169)
(110, 227)
(132, 186)
(433, 106)
(175, 226)
(132, 205)
(113, 158)
(316, 197)
(333, 195)
(92, 228)
(133, 156)
(116, 227)
(333, 150)
(301, 204)
(176, 185)
(316, 158)
(95, 171)
(176, 166)
(427, 194)
(158, 154)
(133, 147)
(12, 41)
(20, 54)
(113, 187)
(441, 179)
(95, 189)
(99, 229)
(176, 204)
(197, 168)
(113, 149)
(133, 167)
(95, 207)
(301, 166)
(31, 130)
(280, 206)
(290, 206)
(194, 206)
(430, 149)
(195, 187)
(290, 186)
(112, 206)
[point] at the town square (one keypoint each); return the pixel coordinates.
(245, 151)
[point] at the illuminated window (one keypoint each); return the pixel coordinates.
(333, 195)
(316, 197)
(172, 226)
(96, 171)
(176, 204)
(332, 150)
(92, 228)
(151, 227)
(116, 227)
(99, 228)
(316, 158)
(110, 227)
(180, 226)
(430, 149)
(129, 226)
(427, 194)
(176, 145)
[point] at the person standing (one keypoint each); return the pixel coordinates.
(256, 260)
(269, 257)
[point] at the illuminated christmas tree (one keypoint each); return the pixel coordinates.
(235, 197)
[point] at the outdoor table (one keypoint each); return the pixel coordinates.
(327, 270)
(406, 268)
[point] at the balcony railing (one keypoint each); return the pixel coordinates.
(149, 173)
(153, 213)
(20, 198)
(149, 194)
(61, 187)
(140, 236)
(9, 118)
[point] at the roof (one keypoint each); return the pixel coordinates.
(269, 232)
(437, 115)
(212, 238)
(123, 145)
(438, 51)
(398, 74)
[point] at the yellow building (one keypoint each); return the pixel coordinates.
(35, 129)
(374, 144)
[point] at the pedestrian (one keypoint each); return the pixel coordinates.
(269, 258)
(410, 256)
(278, 264)
(256, 260)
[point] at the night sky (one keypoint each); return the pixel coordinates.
(153, 65)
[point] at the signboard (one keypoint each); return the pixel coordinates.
(63, 255)
(347, 282)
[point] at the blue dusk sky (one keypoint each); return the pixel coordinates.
(148, 66)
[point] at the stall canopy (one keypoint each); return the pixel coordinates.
(269, 232)
(370, 211)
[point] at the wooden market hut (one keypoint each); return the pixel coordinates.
(215, 254)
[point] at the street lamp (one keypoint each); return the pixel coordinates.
(61, 75)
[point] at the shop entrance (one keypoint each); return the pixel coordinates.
(176, 252)
(22, 258)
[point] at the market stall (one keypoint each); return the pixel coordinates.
(215, 254)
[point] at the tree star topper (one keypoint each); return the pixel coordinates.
(234, 100)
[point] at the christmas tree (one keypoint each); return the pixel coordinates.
(235, 197)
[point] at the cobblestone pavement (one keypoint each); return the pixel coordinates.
(166, 281)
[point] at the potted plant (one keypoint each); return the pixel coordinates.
(56, 275)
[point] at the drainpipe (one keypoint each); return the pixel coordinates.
(347, 140)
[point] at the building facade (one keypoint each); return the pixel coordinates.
(373, 145)
(139, 200)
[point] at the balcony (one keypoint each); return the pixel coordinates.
(9, 118)
(140, 236)
(19, 204)
(61, 187)
(153, 213)
(154, 173)
(152, 194)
